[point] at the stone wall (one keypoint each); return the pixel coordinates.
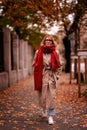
(18, 57)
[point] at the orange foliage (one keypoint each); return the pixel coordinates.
(16, 11)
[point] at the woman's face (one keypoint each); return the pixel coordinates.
(48, 41)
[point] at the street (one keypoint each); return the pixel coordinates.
(19, 109)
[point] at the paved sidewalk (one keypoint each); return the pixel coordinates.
(19, 108)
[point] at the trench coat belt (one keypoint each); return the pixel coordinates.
(47, 68)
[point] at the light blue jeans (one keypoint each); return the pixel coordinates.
(51, 112)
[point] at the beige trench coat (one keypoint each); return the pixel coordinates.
(47, 97)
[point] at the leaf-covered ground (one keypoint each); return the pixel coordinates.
(19, 109)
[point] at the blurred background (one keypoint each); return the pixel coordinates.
(24, 23)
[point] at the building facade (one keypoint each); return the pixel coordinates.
(78, 38)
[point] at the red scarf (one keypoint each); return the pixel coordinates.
(38, 66)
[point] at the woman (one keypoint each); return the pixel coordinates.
(46, 72)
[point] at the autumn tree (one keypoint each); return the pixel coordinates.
(26, 16)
